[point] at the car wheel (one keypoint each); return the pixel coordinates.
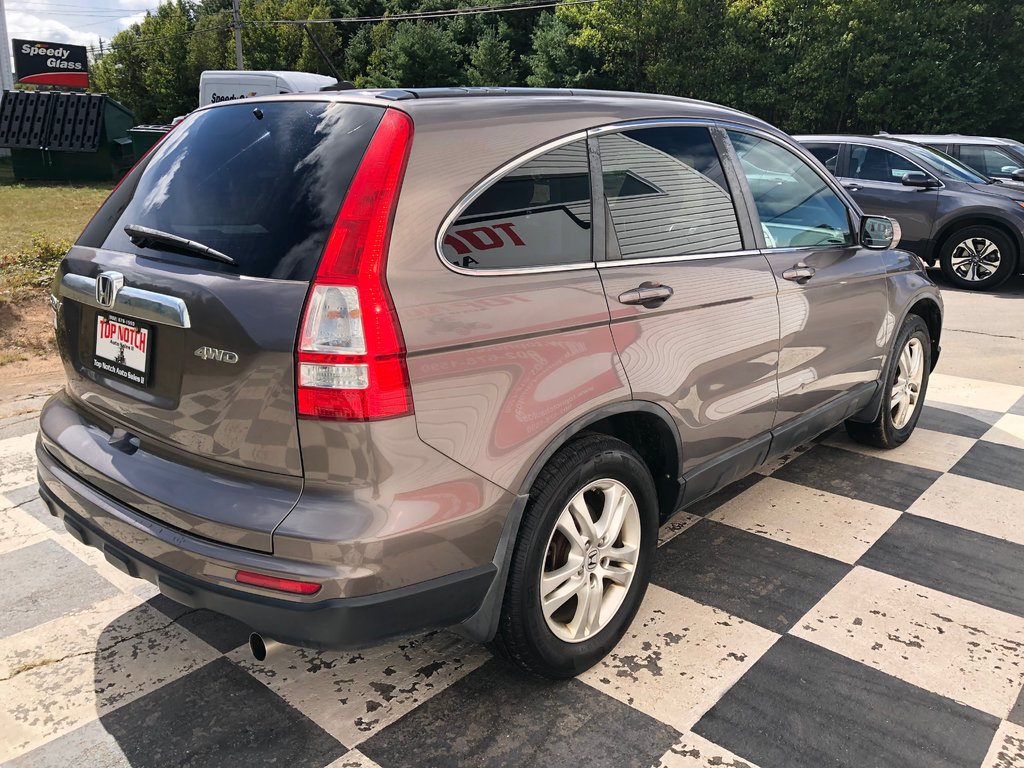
(905, 388)
(978, 258)
(582, 561)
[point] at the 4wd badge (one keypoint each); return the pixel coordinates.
(220, 355)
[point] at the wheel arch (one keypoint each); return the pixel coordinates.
(625, 420)
(976, 220)
(925, 306)
(646, 427)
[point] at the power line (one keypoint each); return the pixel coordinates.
(436, 14)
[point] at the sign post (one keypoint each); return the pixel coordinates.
(42, 63)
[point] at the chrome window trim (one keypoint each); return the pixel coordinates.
(673, 259)
(132, 302)
(481, 186)
(633, 124)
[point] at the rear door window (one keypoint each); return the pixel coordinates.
(667, 194)
(260, 183)
(536, 215)
(796, 207)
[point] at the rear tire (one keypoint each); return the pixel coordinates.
(905, 385)
(589, 531)
(978, 258)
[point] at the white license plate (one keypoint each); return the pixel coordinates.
(122, 348)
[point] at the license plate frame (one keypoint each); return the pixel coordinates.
(123, 348)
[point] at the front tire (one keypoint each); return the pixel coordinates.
(906, 383)
(582, 561)
(978, 258)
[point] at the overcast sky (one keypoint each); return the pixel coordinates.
(81, 22)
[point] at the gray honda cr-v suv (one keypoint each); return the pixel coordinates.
(351, 365)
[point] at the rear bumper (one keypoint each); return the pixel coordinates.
(347, 622)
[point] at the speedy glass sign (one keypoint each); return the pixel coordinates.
(40, 63)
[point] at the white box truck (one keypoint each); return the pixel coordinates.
(229, 84)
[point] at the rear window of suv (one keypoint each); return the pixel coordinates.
(261, 183)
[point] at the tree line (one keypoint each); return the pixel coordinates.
(851, 66)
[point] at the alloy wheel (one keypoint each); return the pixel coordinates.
(975, 259)
(906, 388)
(590, 560)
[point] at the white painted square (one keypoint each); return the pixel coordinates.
(693, 751)
(74, 669)
(973, 393)
(818, 521)
(925, 448)
(994, 510)
(1009, 430)
(1007, 750)
(353, 694)
(958, 649)
(678, 657)
(17, 462)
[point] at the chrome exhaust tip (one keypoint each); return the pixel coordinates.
(259, 647)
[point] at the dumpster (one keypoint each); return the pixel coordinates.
(145, 136)
(58, 136)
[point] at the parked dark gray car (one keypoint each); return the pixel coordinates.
(352, 365)
(950, 215)
(999, 159)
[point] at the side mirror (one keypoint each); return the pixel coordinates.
(879, 232)
(918, 179)
(1018, 175)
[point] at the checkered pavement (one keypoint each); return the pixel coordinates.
(843, 607)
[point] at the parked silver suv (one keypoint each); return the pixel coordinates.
(346, 366)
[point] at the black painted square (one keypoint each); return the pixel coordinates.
(710, 503)
(763, 581)
(959, 562)
(993, 463)
(958, 420)
(802, 706)
(222, 632)
(856, 476)
(498, 716)
(1017, 713)
(43, 582)
(218, 716)
(1018, 408)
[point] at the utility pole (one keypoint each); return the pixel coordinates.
(237, 24)
(6, 73)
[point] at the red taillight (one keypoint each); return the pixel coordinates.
(281, 585)
(351, 355)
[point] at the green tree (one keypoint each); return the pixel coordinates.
(490, 62)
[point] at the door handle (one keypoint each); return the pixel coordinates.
(647, 294)
(800, 273)
(852, 187)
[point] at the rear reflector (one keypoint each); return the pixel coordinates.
(281, 585)
(351, 354)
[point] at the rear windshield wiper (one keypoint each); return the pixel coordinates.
(144, 237)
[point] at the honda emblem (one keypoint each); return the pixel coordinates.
(107, 286)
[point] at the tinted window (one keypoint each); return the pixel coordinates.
(537, 215)
(990, 161)
(828, 154)
(264, 190)
(944, 166)
(875, 164)
(667, 193)
(796, 207)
